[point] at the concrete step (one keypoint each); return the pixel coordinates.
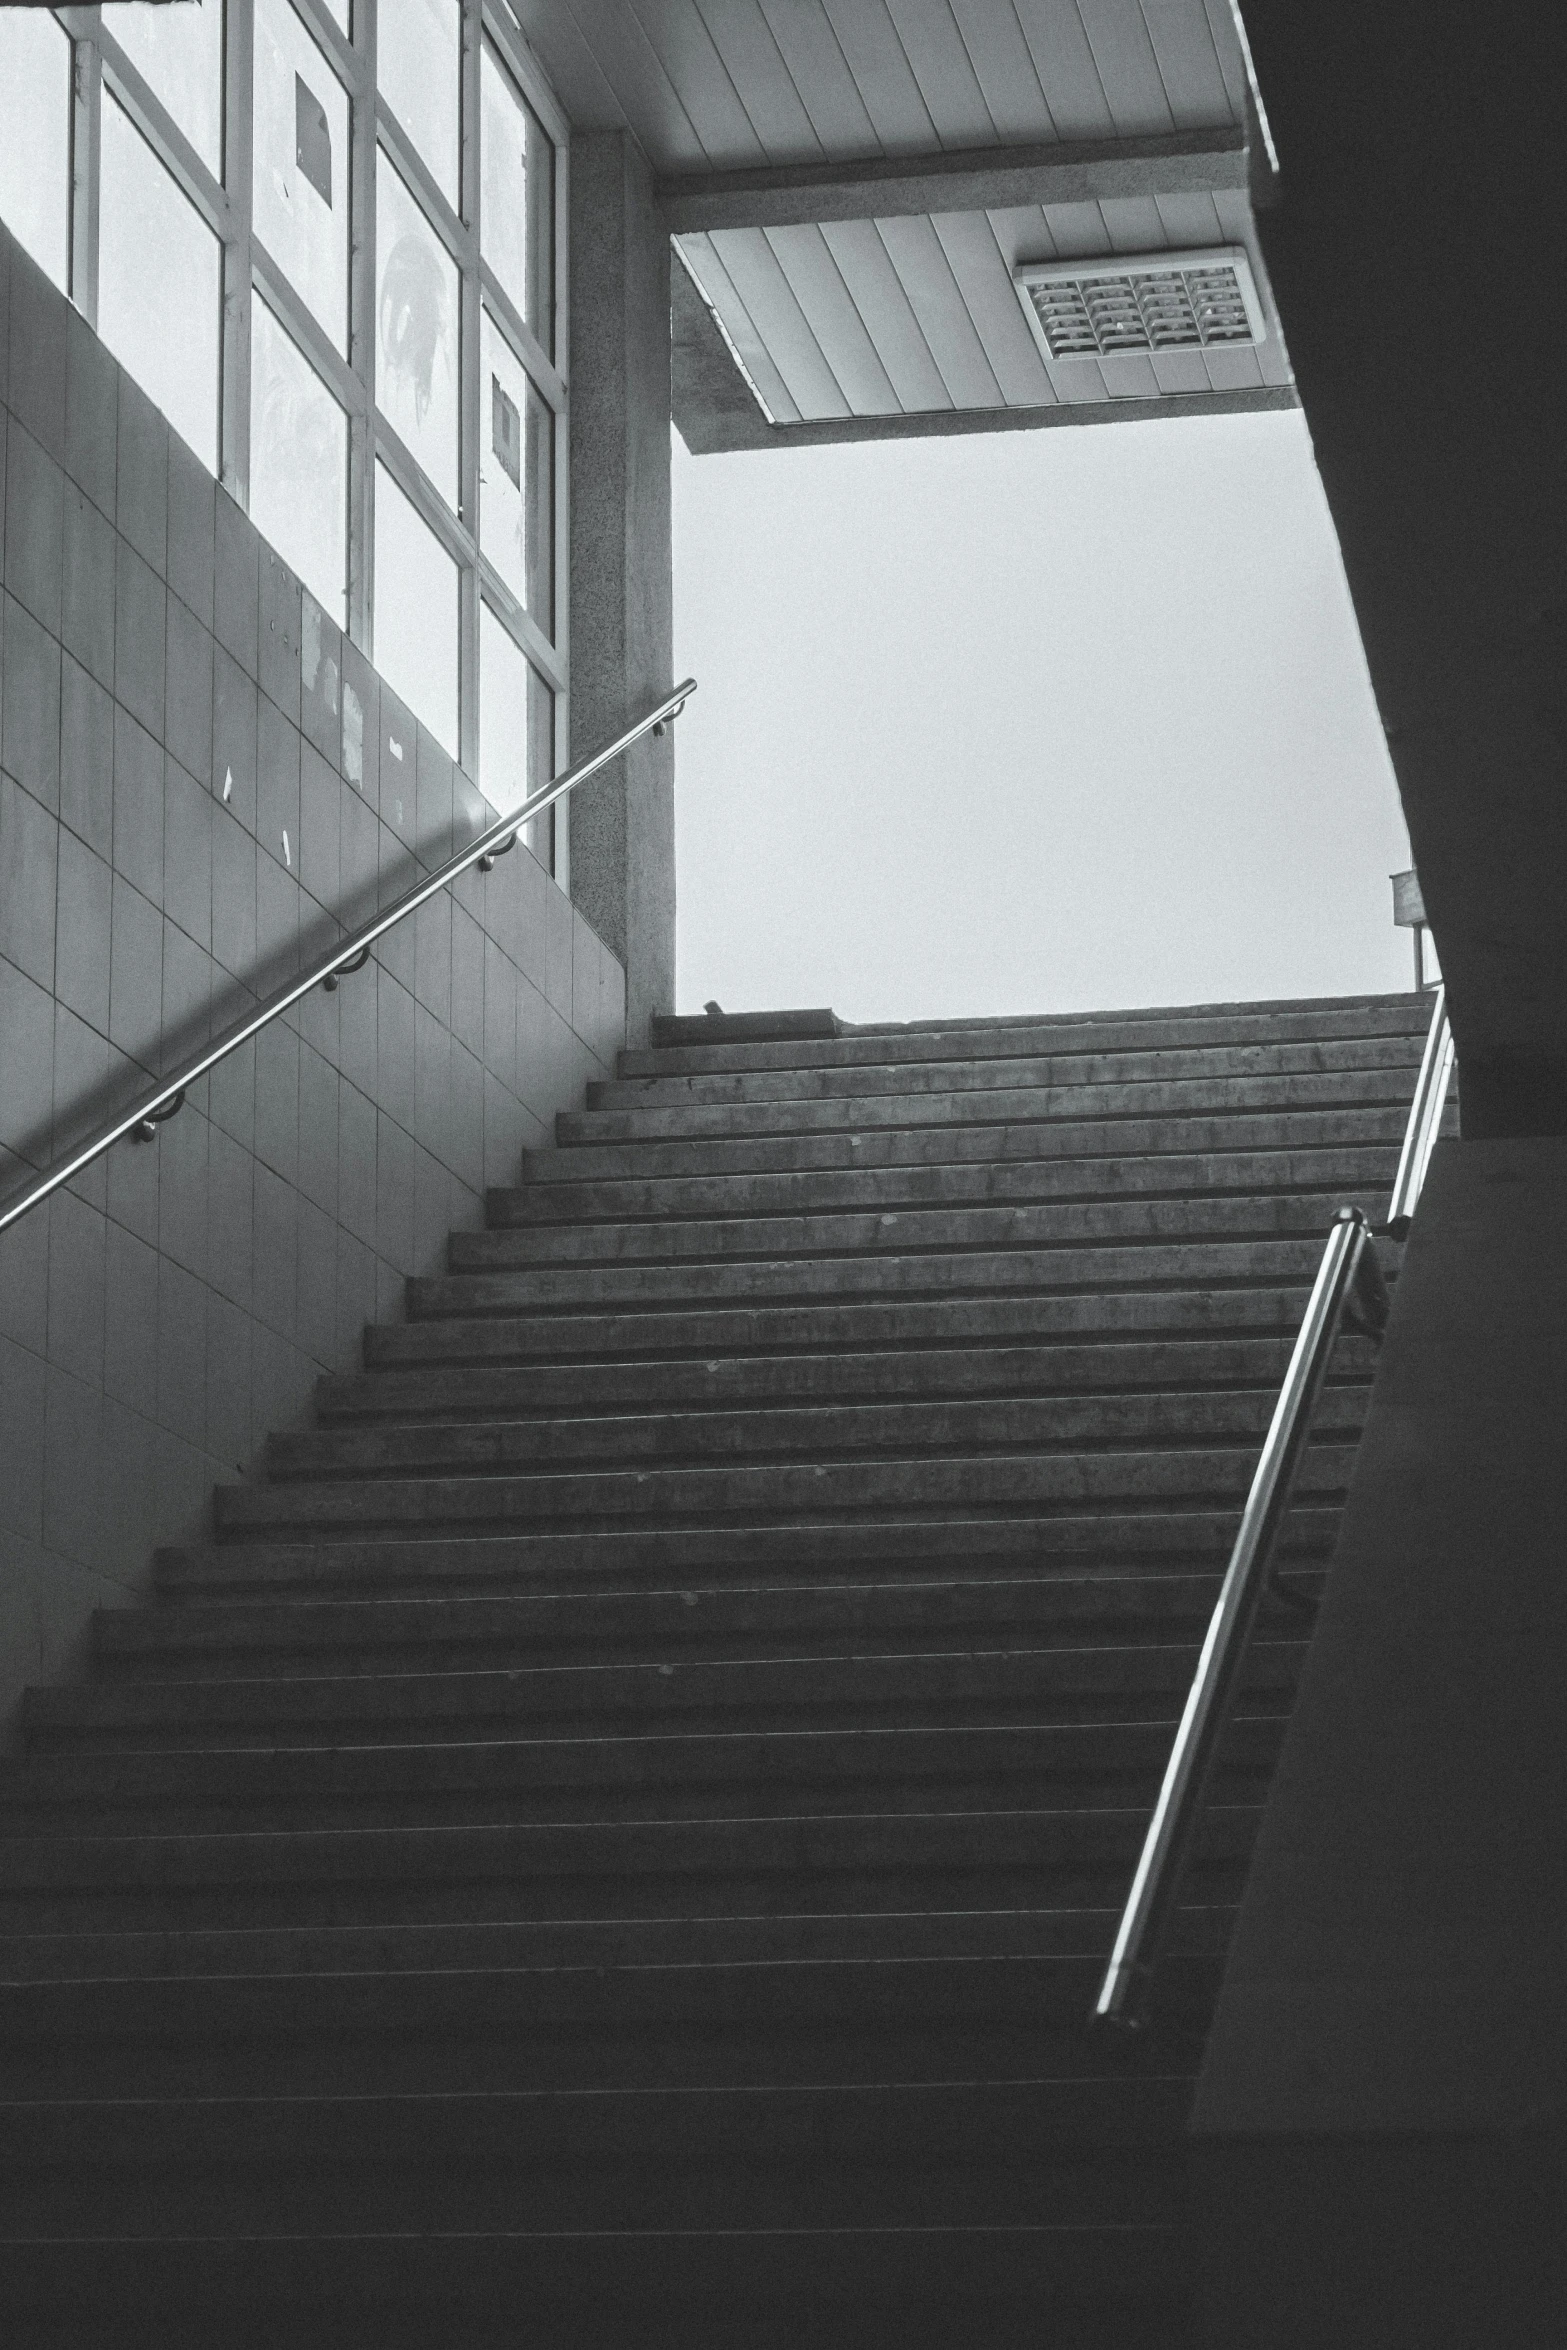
(751, 1774)
(962, 1485)
(633, 1626)
(712, 1332)
(1191, 1364)
(1102, 2288)
(583, 1868)
(693, 1048)
(864, 1192)
(823, 1433)
(1326, 1126)
(1199, 1932)
(938, 1231)
(1000, 1105)
(339, 1563)
(1086, 1267)
(1165, 1064)
(971, 1688)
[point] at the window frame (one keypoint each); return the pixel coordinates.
(226, 207)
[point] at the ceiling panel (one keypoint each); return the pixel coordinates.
(945, 319)
(969, 242)
(882, 301)
(809, 48)
(828, 306)
(1182, 37)
(771, 306)
(1134, 88)
(762, 81)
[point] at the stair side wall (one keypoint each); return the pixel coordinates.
(171, 704)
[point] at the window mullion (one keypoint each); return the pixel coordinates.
(86, 145)
(361, 340)
(238, 179)
(470, 405)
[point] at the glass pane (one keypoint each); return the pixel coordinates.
(298, 462)
(35, 137)
(178, 52)
(301, 165)
(419, 66)
(417, 311)
(517, 209)
(159, 285)
(516, 465)
(415, 612)
(516, 729)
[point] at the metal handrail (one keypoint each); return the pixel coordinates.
(1349, 1281)
(349, 955)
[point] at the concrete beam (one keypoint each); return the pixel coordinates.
(976, 180)
(715, 410)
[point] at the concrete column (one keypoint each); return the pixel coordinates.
(1380, 2147)
(622, 825)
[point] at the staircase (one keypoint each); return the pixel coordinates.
(613, 1841)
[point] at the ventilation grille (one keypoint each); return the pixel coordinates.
(1156, 302)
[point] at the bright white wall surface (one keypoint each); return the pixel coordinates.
(1026, 722)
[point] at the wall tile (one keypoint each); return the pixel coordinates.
(432, 928)
(318, 1129)
(523, 926)
(501, 988)
(35, 523)
(361, 724)
(83, 1095)
(86, 757)
(30, 705)
(236, 584)
(233, 894)
(231, 1089)
(76, 1287)
(467, 1005)
(227, 1438)
(26, 1063)
(276, 1259)
(432, 1212)
(280, 1381)
(130, 1317)
(433, 818)
(503, 1135)
(279, 634)
(470, 811)
(230, 1210)
(187, 854)
(73, 1465)
(277, 787)
(91, 411)
(131, 1168)
(138, 806)
(584, 980)
(321, 814)
(356, 1177)
(181, 1149)
(85, 892)
(432, 1081)
(394, 1194)
(464, 1152)
(188, 691)
(558, 934)
(28, 834)
(24, 1266)
(87, 586)
(37, 354)
(182, 1352)
(315, 1319)
(356, 1026)
(187, 997)
(140, 631)
(277, 1099)
(234, 739)
(398, 767)
(396, 951)
(192, 530)
(321, 680)
(22, 1388)
(355, 1299)
(141, 507)
(394, 1049)
(277, 924)
(359, 859)
(135, 974)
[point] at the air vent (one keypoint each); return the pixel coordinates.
(1146, 302)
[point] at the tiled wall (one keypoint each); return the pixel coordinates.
(196, 774)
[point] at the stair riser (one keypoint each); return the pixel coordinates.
(939, 1231)
(921, 1145)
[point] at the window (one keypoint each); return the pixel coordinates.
(347, 304)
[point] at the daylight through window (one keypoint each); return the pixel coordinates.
(329, 244)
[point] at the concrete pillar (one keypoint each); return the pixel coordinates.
(623, 824)
(1380, 2149)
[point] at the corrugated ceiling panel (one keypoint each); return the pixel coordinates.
(1227, 49)
(1188, 64)
(741, 328)
(763, 83)
(927, 279)
(1013, 96)
(942, 67)
(828, 306)
(1127, 67)
(641, 92)
(1191, 220)
(769, 298)
(969, 243)
(1075, 229)
(1132, 224)
(684, 47)
(867, 270)
(1064, 62)
(888, 90)
(809, 48)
